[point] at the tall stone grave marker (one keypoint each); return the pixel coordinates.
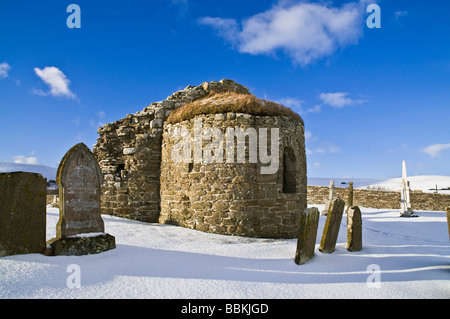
(306, 242)
(354, 229)
(332, 225)
(22, 213)
(350, 196)
(80, 228)
(330, 199)
(405, 204)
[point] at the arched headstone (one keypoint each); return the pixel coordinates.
(80, 228)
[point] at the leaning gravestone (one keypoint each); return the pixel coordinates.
(354, 229)
(22, 213)
(80, 228)
(332, 225)
(306, 242)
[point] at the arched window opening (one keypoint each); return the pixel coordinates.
(289, 171)
(120, 170)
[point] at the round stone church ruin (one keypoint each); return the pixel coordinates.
(211, 157)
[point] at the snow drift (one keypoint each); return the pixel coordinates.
(401, 258)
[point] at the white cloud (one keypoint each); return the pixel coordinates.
(297, 105)
(39, 92)
(226, 28)
(315, 109)
(292, 103)
(332, 149)
(399, 14)
(101, 115)
(56, 79)
(308, 135)
(320, 150)
(323, 147)
(317, 164)
(435, 149)
(339, 99)
(305, 31)
(20, 159)
(316, 147)
(4, 68)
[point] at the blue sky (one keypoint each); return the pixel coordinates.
(370, 98)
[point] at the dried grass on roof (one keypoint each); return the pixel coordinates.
(227, 102)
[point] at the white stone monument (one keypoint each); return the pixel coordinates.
(405, 202)
(330, 199)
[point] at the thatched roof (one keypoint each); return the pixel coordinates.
(230, 102)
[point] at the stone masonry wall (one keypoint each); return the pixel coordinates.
(129, 154)
(381, 199)
(234, 198)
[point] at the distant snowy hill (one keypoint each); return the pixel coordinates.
(48, 172)
(425, 183)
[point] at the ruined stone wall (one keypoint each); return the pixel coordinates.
(429, 201)
(235, 198)
(129, 154)
(381, 199)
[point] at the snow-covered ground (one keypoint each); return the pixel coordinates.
(401, 258)
(410, 257)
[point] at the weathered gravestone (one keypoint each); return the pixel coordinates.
(350, 196)
(329, 200)
(22, 213)
(354, 229)
(447, 211)
(306, 242)
(332, 224)
(80, 228)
